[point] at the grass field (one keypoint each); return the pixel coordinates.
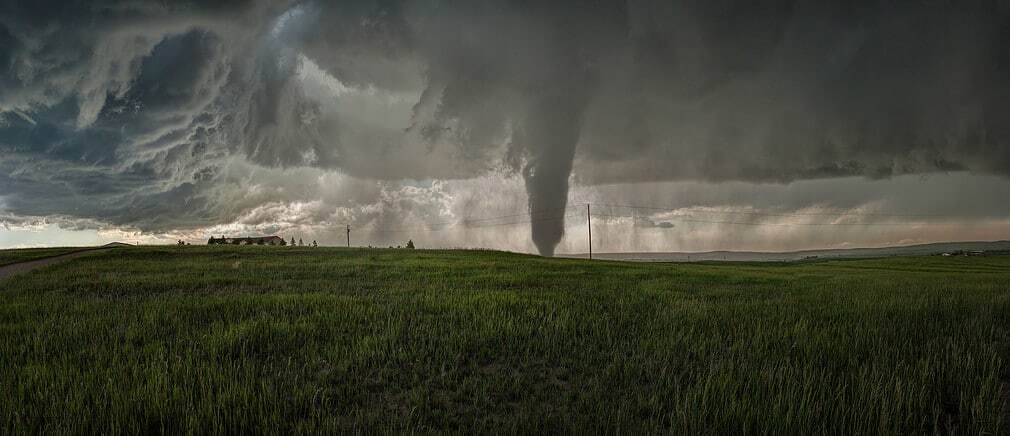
(8, 257)
(261, 339)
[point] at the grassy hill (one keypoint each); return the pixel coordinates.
(267, 339)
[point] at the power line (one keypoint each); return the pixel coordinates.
(796, 214)
(529, 214)
(538, 215)
(555, 218)
(551, 214)
(746, 223)
(464, 225)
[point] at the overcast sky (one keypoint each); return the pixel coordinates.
(475, 123)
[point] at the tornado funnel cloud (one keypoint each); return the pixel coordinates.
(549, 135)
(547, 187)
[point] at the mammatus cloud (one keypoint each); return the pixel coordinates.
(189, 115)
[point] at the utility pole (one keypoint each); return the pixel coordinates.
(589, 226)
(348, 236)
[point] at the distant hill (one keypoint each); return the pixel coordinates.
(785, 256)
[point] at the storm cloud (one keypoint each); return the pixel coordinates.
(163, 116)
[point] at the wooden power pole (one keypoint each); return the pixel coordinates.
(348, 236)
(589, 226)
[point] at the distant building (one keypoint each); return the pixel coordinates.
(257, 240)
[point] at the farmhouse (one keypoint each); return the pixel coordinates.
(257, 240)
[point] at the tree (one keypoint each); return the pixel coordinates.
(283, 242)
(314, 244)
(292, 241)
(410, 244)
(300, 244)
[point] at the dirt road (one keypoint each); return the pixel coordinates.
(21, 267)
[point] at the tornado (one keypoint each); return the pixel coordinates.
(549, 136)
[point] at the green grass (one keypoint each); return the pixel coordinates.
(8, 257)
(264, 340)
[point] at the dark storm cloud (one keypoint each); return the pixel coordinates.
(806, 91)
(132, 112)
